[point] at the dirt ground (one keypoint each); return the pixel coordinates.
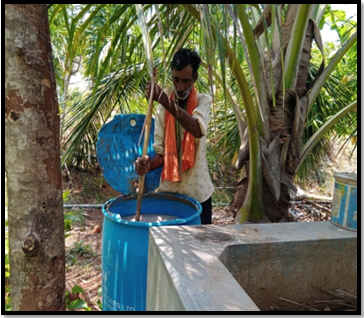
(83, 246)
(86, 271)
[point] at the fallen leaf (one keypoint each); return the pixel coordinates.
(97, 229)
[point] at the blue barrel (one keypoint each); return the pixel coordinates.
(125, 245)
(344, 205)
(118, 146)
(125, 242)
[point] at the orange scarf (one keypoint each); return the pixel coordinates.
(170, 170)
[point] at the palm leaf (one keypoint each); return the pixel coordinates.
(330, 68)
(295, 46)
(258, 75)
(323, 129)
(252, 206)
(113, 90)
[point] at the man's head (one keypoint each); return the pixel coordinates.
(185, 64)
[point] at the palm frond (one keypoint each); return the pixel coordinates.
(86, 117)
(330, 68)
(322, 130)
(295, 46)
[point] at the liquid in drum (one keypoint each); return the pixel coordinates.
(151, 218)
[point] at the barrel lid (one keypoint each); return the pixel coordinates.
(117, 149)
(346, 177)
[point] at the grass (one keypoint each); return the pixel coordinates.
(81, 218)
(320, 180)
(88, 187)
(223, 196)
(223, 176)
(73, 256)
(92, 189)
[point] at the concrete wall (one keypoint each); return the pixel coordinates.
(292, 270)
(184, 275)
(243, 267)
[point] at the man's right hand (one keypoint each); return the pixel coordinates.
(158, 95)
(142, 165)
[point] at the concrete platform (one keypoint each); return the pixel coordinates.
(244, 267)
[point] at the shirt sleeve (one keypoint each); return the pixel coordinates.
(202, 113)
(158, 144)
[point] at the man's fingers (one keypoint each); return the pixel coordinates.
(142, 165)
(142, 161)
(156, 93)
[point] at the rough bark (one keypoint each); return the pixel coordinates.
(286, 125)
(32, 163)
(243, 151)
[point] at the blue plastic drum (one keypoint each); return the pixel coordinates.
(125, 244)
(118, 146)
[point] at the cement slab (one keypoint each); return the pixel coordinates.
(191, 268)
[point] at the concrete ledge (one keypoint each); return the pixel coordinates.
(240, 267)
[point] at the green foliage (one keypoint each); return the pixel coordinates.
(7, 298)
(78, 249)
(80, 303)
(69, 217)
(99, 292)
(222, 176)
(65, 195)
(226, 139)
(338, 21)
(7, 261)
(7, 264)
(334, 97)
(73, 97)
(77, 303)
(115, 61)
(7, 271)
(117, 93)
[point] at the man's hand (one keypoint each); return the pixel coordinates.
(158, 94)
(142, 165)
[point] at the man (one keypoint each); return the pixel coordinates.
(180, 135)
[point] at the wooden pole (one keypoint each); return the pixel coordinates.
(148, 124)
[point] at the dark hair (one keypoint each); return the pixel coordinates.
(183, 57)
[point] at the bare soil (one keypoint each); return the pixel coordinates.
(86, 271)
(83, 246)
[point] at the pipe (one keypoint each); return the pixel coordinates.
(99, 206)
(70, 206)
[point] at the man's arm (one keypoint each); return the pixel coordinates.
(187, 122)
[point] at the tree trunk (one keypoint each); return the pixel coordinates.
(32, 163)
(286, 120)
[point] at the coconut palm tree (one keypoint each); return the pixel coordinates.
(258, 54)
(272, 149)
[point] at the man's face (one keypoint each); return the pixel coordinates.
(183, 81)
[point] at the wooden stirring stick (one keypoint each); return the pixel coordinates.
(148, 124)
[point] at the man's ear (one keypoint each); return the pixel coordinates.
(196, 75)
